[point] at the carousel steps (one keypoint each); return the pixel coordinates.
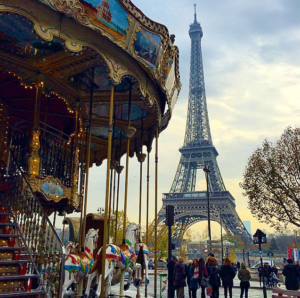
(8, 224)
(6, 248)
(17, 277)
(14, 262)
(32, 293)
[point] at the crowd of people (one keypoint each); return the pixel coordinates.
(206, 274)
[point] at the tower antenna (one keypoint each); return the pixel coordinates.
(195, 14)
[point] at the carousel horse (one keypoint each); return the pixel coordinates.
(78, 265)
(70, 247)
(142, 252)
(121, 257)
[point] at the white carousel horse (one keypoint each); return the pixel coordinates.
(78, 265)
(142, 252)
(121, 257)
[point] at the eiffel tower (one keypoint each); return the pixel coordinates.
(198, 149)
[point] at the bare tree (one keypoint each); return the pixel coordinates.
(272, 181)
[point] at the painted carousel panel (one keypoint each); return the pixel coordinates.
(148, 46)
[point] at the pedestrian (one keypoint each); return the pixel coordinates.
(260, 273)
(227, 275)
(188, 278)
(274, 270)
(244, 276)
(291, 273)
(202, 274)
(238, 265)
(179, 278)
(171, 270)
(194, 277)
(267, 273)
(214, 278)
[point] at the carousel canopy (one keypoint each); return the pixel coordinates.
(76, 51)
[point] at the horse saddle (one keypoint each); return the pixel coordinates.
(125, 250)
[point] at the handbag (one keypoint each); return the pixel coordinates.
(204, 282)
(209, 291)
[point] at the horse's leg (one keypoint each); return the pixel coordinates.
(130, 271)
(146, 269)
(108, 271)
(108, 284)
(89, 282)
(69, 279)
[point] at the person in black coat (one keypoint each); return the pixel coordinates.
(188, 277)
(214, 278)
(179, 278)
(292, 274)
(171, 269)
(227, 274)
(267, 270)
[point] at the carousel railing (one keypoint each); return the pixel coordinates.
(39, 235)
(55, 152)
(56, 157)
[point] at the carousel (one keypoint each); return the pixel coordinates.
(82, 83)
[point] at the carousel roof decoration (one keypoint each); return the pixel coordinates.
(59, 42)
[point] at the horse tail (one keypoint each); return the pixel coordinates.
(140, 257)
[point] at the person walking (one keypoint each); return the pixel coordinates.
(188, 277)
(171, 270)
(214, 278)
(260, 273)
(292, 274)
(179, 278)
(194, 276)
(238, 265)
(202, 273)
(244, 276)
(267, 273)
(227, 274)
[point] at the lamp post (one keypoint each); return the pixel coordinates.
(207, 171)
(258, 238)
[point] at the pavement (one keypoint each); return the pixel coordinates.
(254, 292)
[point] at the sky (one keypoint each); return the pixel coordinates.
(251, 58)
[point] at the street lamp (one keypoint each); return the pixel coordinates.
(258, 238)
(100, 210)
(207, 171)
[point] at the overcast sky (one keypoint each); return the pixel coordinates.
(251, 57)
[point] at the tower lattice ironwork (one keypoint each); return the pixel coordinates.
(198, 150)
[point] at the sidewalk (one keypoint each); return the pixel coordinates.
(254, 292)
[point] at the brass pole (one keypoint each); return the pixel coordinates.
(119, 170)
(155, 235)
(117, 207)
(127, 166)
(112, 168)
(105, 232)
(114, 192)
(83, 224)
(141, 160)
(147, 209)
(109, 204)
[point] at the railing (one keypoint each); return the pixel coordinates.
(45, 247)
(56, 153)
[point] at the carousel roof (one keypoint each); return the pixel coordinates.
(78, 50)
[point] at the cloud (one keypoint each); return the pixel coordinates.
(251, 66)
